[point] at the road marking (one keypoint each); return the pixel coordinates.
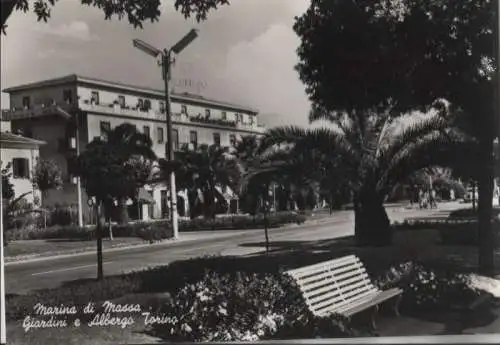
(68, 269)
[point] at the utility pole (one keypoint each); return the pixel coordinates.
(167, 62)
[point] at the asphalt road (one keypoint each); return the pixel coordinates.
(23, 277)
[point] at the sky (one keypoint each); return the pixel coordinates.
(245, 53)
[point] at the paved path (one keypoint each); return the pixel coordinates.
(23, 277)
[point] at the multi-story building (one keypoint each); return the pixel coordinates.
(69, 112)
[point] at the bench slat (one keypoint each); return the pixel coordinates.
(367, 303)
(361, 290)
(298, 272)
(325, 273)
(313, 289)
(336, 309)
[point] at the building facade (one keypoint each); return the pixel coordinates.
(20, 154)
(67, 113)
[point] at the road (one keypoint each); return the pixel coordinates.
(23, 277)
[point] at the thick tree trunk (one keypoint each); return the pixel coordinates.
(486, 250)
(372, 225)
(99, 231)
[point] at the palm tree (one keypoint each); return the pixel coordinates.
(204, 173)
(378, 151)
(131, 146)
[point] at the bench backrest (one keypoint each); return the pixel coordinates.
(331, 285)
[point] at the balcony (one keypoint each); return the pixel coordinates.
(177, 118)
(39, 110)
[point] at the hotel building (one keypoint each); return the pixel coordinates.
(69, 112)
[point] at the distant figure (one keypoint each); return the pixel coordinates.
(452, 194)
(433, 199)
(420, 198)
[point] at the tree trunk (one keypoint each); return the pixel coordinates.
(266, 225)
(474, 196)
(372, 225)
(99, 231)
(487, 243)
(123, 217)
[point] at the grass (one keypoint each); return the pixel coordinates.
(28, 248)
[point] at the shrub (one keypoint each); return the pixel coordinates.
(241, 306)
(53, 232)
(429, 288)
(62, 215)
(470, 213)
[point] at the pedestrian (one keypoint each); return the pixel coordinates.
(433, 198)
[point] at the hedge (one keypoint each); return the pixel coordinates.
(451, 232)
(156, 230)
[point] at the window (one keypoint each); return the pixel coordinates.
(207, 113)
(68, 96)
(26, 102)
(184, 109)
(105, 127)
(232, 140)
(237, 115)
(162, 107)
(252, 120)
(140, 103)
(217, 139)
(223, 115)
(21, 168)
(175, 139)
(95, 97)
(147, 104)
(146, 131)
(159, 132)
(121, 101)
(193, 139)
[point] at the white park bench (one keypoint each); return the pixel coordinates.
(342, 286)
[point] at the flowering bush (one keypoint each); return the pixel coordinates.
(241, 307)
(428, 288)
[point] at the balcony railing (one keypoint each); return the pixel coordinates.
(38, 110)
(116, 109)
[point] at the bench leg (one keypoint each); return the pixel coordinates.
(397, 302)
(373, 325)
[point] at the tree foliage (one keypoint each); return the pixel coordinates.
(47, 175)
(7, 186)
(204, 172)
(116, 168)
(136, 11)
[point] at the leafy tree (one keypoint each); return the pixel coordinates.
(402, 55)
(7, 186)
(47, 175)
(134, 150)
(136, 11)
(111, 172)
(379, 152)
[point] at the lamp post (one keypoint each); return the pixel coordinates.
(166, 59)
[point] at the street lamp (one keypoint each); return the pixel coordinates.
(166, 60)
